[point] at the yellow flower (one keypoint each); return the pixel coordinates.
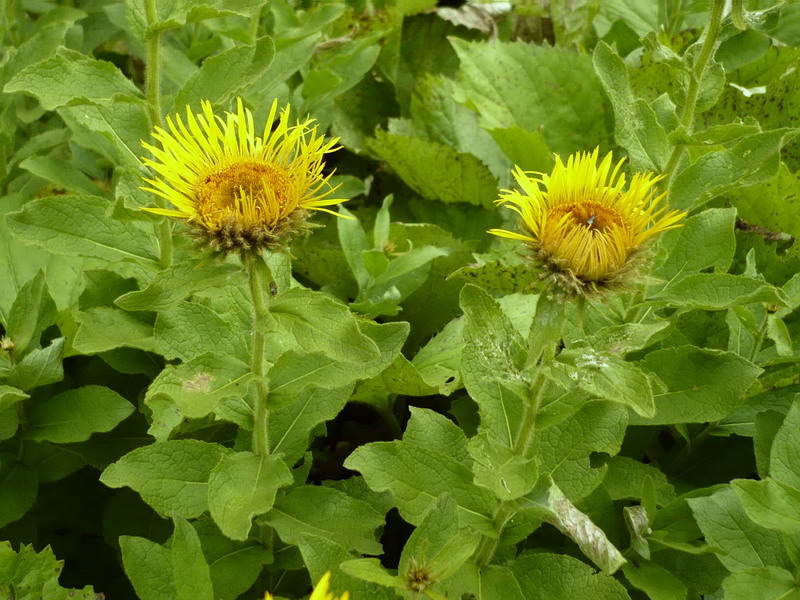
(241, 191)
(321, 591)
(582, 221)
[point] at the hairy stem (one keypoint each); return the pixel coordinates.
(152, 84)
(695, 78)
(260, 412)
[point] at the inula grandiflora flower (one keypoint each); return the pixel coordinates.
(584, 222)
(238, 190)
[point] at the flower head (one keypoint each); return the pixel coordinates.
(583, 223)
(241, 191)
(320, 591)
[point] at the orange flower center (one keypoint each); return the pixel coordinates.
(251, 190)
(595, 217)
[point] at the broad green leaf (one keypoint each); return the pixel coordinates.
(370, 569)
(772, 203)
(222, 75)
(74, 415)
(192, 575)
(501, 470)
(235, 566)
(438, 545)
(9, 422)
(172, 477)
(704, 240)
(71, 77)
(625, 480)
(81, 226)
(753, 160)
(492, 364)
(175, 13)
(606, 377)
(191, 329)
(39, 367)
(725, 524)
(785, 454)
(197, 386)
(291, 423)
(545, 576)
(499, 278)
(18, 488)
(436, 171)
(243, 486)
(60, 173)
(316, 323)
(761, 583)
(530, 78)
(437, 432)
(702, 385)
(28, 575)
(328, 513)
(403, 378)
(149, 567)
(636, 127)
(321, 555)
(525, 149)
(657, 582)
(52, 462)
(33, 311)
(770, 503)
(104, 328)
(169, 287)
(767, 424)
(9, 396)
(416, 476)
(717, 291)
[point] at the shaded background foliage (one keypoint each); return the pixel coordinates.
(693, 474)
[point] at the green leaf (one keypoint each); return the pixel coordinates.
(492, 364)
(74, 415)
(39, 367)
(703, 385)
(243, 486)
(606, 377)
(753, 160)
(770, 503)
(18, 488)
(52, 463)
(417, 475)
(370, 569)
(27, 575)
(626, 477)
(744, 544)
(172, 477)
(104, 328)
(636, 126)
(499, 278)
(33, 311)
(433, 430)
(772, 204)
(171, 286)
(785, 454)
(71, 77)
(190, 329)
(438, 545)
(291, 423)
(9, 396)
(499, 469)
(149, 567)
(436, 171)
(515, 84)
(315, 323)
(81, 226)
(717, 291)
(705, 240)
(192, 575)
(222, 76)
(657, 582)
(60, 173)
(525, 149)
(761, 583)
(327, 513)
(545, 576)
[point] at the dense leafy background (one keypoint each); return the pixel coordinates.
(666, 464)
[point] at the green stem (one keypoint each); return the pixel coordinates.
(260, 412)
(522, 447)
(759, 341)
(152, 84)
(737, 15)
(695, 79)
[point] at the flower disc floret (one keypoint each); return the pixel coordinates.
(583, 223)
(241, 191)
